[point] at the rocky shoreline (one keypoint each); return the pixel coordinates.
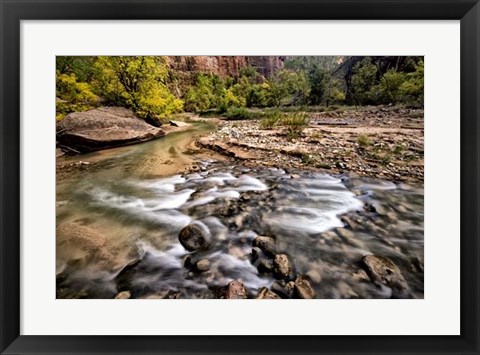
(377, 142)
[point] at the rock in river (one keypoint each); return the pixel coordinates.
(382, 270)
(266, 244)
(194, 237)
(105, 127)
(281, 266)
(303, 289)
(266, 294)
(235, 290)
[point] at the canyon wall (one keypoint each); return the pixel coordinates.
(226, 65)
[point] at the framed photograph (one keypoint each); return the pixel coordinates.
(239, 177)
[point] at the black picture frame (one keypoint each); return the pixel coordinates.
(13, 11)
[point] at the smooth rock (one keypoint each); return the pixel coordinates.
(314, 276)
(193, 237)
(105, 127)
(345, 233)
(203, 265)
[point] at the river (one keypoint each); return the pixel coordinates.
(118, 220)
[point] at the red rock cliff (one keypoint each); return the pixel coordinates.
(226, 65)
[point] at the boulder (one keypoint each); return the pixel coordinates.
(194, 237)
(303, 289)
(266, 294)
(383, 270)
(105, 127)
(282, 266)
(266, 244)
(235, 290)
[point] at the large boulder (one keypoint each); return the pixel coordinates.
(105, 127)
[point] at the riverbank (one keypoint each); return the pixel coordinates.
(377, 142)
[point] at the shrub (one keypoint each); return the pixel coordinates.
(295, 123)
(270, 119)
(363, 140)
(238, 113)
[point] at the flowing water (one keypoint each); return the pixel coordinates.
(119, 218)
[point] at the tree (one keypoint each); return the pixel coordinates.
(289, 84)
(389, 86)
(137, 82)
(363, 82)
(412, 89)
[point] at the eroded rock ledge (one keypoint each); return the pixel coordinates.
(105, 127)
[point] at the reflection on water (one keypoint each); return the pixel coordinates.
(118, 226)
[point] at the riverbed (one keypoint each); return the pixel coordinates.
(120, 211)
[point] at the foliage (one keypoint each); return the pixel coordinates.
(72, 95)
(270, 119)
(138, 83)
(153, 89)
(363, 140)
(364, 82)
(238, 113)
(412, 89)
(295, 123)
(291, 85)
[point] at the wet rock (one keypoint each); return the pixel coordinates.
(382, 270)
(345, 233)
(193, 237)
(172, 295)
(235, 290)
(360, 275)
(256, 254)
(203, 265)
(284, 289)
(418, 263)
(303, 289)
(282, 266)
(123, 295)
(265, 294)
(328, 235)
(266, 244)
(265, 266)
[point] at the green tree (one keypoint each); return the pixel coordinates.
(390, 84)
(290, 85)
(412, 89)
(364, 80)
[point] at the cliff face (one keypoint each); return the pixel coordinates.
(226, 65)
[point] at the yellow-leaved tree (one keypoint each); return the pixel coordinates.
(139, 83)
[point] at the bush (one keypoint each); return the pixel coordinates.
(363, 140)
(270, 119)
(238, 113)
(294, 124)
